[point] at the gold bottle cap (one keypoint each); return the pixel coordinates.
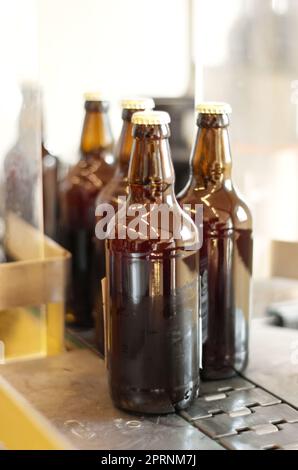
(213, 107)
(137, 103)
(151, 118)
(94, 96)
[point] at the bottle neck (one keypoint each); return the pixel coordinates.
(44, 150)
(151, 173)
(211, 162)
(125, 142)
(97, 136)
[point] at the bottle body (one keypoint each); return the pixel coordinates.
(77, 201)
(225, 278)
(153, 336)
(153, 328)
(50, 171)
(226, 253)
(111, 194)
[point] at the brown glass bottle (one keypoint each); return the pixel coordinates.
(78, 194)
(50, 169)
(226, 254)
(152, 286)
(118, 186)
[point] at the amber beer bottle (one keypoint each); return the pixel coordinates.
(226, 254)
(118, 186)
(152, 284)
(50, 170)
(78, 194)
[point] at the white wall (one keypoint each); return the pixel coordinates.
(246, 55)
(19, 61)
(119, 47)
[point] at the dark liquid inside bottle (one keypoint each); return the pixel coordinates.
(154, 337)
(226, 254)
(229, 257)
(152, 310)
(78, 194)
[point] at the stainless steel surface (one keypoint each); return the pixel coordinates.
(283, 436)
(71, 391)
(227, 409)
(274, 360)
(217, 386)
(255, 418)
(209, 405)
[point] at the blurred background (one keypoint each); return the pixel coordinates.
(177, 51)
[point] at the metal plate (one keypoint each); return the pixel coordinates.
(249, 419)
(231, 413)
(218, 386)
(285, 437)
(209, 405)
(75, 398)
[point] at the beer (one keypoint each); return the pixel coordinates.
(78, 194)
(226, 254)
(152, 284)
(118, 186)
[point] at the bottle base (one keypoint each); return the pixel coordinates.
(225, 370)
(157, 401)
(79, 323)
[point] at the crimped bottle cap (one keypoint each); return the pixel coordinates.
(94, 96)
(151, 118)
(137, 103)
(213, 107)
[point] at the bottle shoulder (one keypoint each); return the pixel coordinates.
(117, 187)
(221, 205)
(157, 227)
(87, 176)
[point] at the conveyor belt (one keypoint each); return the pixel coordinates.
(240, 415)
(258, 411)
